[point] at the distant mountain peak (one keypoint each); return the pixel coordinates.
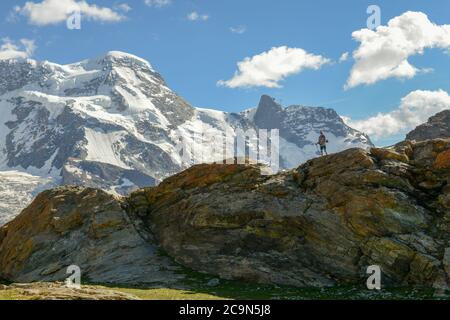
(119, 58)
(268, 103)
(268, 113)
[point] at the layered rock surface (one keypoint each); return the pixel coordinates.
(321, 224)
(84, 227)
(438, 126)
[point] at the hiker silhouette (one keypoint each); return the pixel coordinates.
(322, 143)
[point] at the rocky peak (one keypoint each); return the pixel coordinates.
(438, 126)
(267, 103)
(117, 59)
(301, 125)
(268, 113)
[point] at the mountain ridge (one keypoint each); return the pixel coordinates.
(437, 126)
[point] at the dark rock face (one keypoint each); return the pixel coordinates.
(297, 123)
(15, 74)
(321, 224)
(35, 138)
(438, 126)
(269, 114)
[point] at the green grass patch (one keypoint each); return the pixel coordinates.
(205, 287)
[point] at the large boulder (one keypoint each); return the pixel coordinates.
(321, 224)
(85, 227)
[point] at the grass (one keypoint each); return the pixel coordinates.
(10, 295)
(196, 286)
(252, 292)
(167, 294)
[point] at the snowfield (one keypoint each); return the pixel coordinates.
(17, 190)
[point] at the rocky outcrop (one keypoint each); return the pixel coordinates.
(84, 227)
(321, 224)
(438, 126)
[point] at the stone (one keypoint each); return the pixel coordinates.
(213, 283)
(84, 227)
(387, 154)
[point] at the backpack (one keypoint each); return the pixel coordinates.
(322, 140)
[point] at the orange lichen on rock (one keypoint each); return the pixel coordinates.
(442, 160)
(387, 154)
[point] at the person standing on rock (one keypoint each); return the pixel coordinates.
(322, 143)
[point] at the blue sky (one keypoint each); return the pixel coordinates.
(194, 55)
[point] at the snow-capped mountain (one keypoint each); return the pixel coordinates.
(112, 122)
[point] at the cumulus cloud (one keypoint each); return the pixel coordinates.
(415, 109)
(22, 49)
(384, 53)
(269, 68)
(195, 16)
(157, 3)
(238, 29)
(50, 12)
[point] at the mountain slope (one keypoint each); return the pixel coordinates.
(17, 189)
(438, 126)
(113, 123)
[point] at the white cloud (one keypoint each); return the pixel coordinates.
(125, 7)
(384, 53)
(344, 57)
(195, 16)
(415, 109)
(50, 12)
(157, 3)
(269, 68)
(238, 29)
(22, 49)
